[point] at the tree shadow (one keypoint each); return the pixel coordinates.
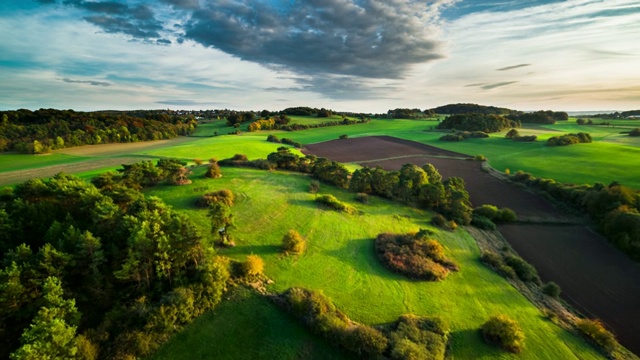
(262, 250)
(360, 255)
(469, 344)
(305, 203)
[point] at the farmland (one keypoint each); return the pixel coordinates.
(270, 203)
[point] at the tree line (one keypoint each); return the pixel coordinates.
(40, 131)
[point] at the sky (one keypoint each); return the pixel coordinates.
(347, 55)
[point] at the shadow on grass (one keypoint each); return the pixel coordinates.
(360, 255)
(311, 204)
(469, 344)
(265, 249)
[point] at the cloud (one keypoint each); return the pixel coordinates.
(183, 4)
(88, 82)
(497, 85)
(185, 103)
(513, 67)
(371, 38)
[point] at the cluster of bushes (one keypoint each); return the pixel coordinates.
(40, 131)
(408, 338)
(274, 139)
(515, 136)
(595, 331)
(414, 255)
(487, 123)
(463, 135)
(504, 332)
(101, 272)
(405, 113)
(333, 203)
(344, 121)
(634, 132)
(485, 216)
(224, 196)
(511, 266)
(614, 208)
(470, 108)
(262, 124)
(241, 160)
(569, 139)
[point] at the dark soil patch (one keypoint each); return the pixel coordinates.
(595, 278)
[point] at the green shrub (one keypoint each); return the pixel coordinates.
(489, 211)
(504, 332)
(344, 136)
(439, 221)
(492, 259)
(362, 198)
(293, 242)
(482, 222)
(365, 341)
(595, 331)
(333, 203)
(507, 215)
(524, 270)
(552, 289)
(314, 186)
(634, 132)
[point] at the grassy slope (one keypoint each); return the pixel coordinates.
(340, 261)
(11, 162)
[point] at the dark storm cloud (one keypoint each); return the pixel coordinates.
(116, 24)
(88, 82)
(371, 38)
(513, 67)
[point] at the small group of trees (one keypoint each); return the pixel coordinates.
(511, 266)
(505, 332)
(408, 338)
(414, 255)
(539, 117)
(569, 139)
(145, 174)
(488, 123)
(463, 135)
(274, 139)
(486, 216)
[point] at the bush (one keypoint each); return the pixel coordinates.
(439, 221)
(333, 203)
(274, 139)
(634, 132)
(511, 134)
(489, 211)
(527, 138)
(414, 256)
(362, 198)
(254, 265)
(344, 136)
(569, 139)
(293, 242)
(507, 215)
(239, 157)
(224, 196)
(504, 332)
(213, 170)
(314, 186)
(365, 341)
(524, 270)
(482, 222)
(552, 289)
(595, 331)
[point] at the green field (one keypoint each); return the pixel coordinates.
(340, 261)
(611, 157)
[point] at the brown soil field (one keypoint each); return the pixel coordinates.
(595, 278)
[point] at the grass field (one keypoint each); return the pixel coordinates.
(611, 157)
(340, 261)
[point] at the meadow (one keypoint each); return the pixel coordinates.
(340, 261)
(611, 157)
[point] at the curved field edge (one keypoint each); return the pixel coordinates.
(340, 261)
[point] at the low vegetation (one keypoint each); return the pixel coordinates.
(408, 338)
(414, 255)
(595, 331)
(515, 136)
(504, 332)
(333, 203)
(224, 196)
(569, 139)
(463, 135)
(293, 242)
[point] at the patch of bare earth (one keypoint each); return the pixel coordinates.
(595, 277)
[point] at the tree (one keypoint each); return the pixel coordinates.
(512, 134)
(213, 170)
(51, 334)
(222, 222)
